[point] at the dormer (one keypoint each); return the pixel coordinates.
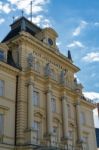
(3, 52)
(48, 36)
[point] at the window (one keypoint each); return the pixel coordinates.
(53, 104)
(36, 98)
(82, 118)
(1, 124)
(1, 87)
(36, 135)
(1, 55)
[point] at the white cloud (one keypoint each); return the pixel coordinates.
(24, 5)
(96, 24)
(5, 7)
(40, 20)
(75, 44)
(46, 23)
(78, 30)
(91, 57)
(58, 43)
(92, 95)
(2, 20)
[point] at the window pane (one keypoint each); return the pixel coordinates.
(35, 98)
(1, 88)
(53, 102)
(1, 55)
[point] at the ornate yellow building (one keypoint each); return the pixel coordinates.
(41, 104)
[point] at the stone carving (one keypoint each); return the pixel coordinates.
(63, 76)
(30, 60)
(48, 70)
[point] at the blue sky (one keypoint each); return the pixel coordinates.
(77, 24)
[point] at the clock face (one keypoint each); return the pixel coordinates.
(50, 42)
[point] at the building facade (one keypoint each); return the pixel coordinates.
(41, 103)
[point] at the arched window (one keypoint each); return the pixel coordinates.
(1, 88)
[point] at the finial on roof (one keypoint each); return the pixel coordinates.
(22, 13)
(69, 55)
(13, 18)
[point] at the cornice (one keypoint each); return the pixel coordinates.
(26, 37)
(9, 69)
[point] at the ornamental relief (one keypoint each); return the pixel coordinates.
(63, 76)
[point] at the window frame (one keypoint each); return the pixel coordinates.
(36, 98)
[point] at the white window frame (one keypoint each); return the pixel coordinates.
(1, 87)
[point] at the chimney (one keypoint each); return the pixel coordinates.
(69, 56)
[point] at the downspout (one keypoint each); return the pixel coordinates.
(16, 107)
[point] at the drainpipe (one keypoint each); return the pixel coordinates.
(16, 107)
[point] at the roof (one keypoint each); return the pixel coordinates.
(22, 24)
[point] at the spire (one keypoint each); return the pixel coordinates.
(69, 55)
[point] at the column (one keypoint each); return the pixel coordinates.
(30, 105)
(49, 112)
(79, 122)
(65, 117)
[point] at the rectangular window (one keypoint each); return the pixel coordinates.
(36, 135)
(1, 55)
(1, 88)
(53, 104)
(36, 98)
(1, 124)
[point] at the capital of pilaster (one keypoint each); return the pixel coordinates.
(30, 82)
